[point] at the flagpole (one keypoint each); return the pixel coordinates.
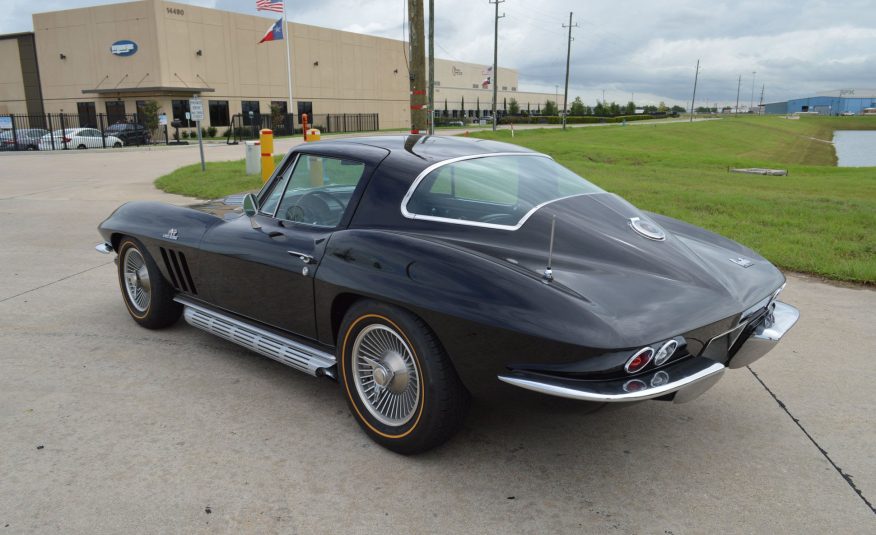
(288, 37)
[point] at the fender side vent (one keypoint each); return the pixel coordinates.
(178, 268)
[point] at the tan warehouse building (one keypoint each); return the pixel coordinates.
(112, 59)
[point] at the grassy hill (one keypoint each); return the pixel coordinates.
(820, 219)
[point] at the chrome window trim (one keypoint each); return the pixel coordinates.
(268, 185)
(423, 174)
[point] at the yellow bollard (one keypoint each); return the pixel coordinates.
(266, 140)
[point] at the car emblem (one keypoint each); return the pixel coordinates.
(172, 234)
(647, 229)
(743, 262)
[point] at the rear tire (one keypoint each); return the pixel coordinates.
(117, 145)
(147, 296)
(81, 147)
(397, 379)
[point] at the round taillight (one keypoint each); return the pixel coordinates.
(634, 385)
(665, 352)
(638, 361)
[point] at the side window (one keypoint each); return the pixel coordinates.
(270, 201)
(319, 189)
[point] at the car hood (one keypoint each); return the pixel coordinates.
(636, 284)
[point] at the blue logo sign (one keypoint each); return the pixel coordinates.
(124, 48)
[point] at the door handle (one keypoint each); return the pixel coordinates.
(305, 258)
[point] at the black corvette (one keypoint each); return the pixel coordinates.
(416, 269)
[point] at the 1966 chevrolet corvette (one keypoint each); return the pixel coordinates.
(415, 269)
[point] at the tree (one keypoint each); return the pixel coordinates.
(577, 108)
(513, 107)
(478, 108)
(631, 108)
(550, 108)
(650, 108)
(505, 104)
(446, 113)
(149, 116)
(614, 109)
(662, 107)
(678, 109)
(599, 109)
(277, 116)
(588, 110)
(462, 107)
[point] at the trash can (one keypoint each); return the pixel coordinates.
(253, 158)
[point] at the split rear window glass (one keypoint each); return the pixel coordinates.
(496, 190)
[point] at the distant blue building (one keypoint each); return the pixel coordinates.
(829, 103)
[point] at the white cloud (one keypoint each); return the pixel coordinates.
(644, 47)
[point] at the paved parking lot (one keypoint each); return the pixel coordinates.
(109, 428)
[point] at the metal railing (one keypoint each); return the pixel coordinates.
(244, 127)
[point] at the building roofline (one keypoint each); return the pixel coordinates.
(152, 89)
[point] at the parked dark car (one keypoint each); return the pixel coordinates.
(22, 139)
(130, 133)
(415, 269)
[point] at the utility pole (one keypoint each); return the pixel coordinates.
(418, 66)
(751, 104)
(496, 59)
(568, 56)
(431, 67)
(694, 98)
(738, 87)
(762, 88)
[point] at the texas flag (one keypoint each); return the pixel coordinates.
(275, 32)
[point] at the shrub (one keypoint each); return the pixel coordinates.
(185, 134)
(211, 132)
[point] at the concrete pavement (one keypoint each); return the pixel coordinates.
(107, 428)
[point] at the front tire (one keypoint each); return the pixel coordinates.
(147, 296)
(117, 145)
(397, 379)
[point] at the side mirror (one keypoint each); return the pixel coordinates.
(250, 207)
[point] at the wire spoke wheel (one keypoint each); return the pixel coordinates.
(136, 277)
(386, 375)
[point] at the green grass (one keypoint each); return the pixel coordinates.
(820, 219)
(220, 179)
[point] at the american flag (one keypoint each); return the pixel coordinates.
(269, 5)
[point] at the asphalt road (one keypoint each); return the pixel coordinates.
(109, 428)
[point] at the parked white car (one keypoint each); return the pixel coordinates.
(78, 138)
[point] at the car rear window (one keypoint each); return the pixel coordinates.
(495, 191)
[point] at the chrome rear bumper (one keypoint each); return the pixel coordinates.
(687, 380)
(766, 335)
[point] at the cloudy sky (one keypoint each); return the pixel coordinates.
(623, 47)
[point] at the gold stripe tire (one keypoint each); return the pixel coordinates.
(157, 311)
(397, 379)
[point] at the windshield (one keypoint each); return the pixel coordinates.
(493, 191)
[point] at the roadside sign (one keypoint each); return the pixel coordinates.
(5, 122)
(162, 119)
(196, 107)
(196, 112)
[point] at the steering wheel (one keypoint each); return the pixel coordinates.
(312, 208)
(502, 218)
